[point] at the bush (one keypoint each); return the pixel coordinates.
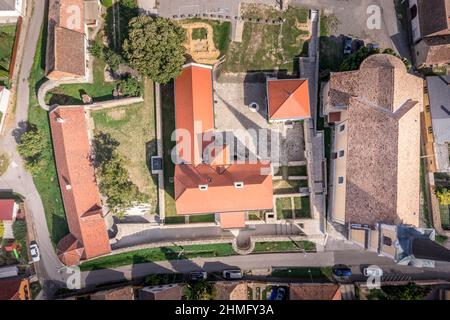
(130, 87)
(202, 290)
(112, 59)
(443, 195)
(96, 49)
(31, 146)
(19, 228)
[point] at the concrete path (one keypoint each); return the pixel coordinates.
(160, 151)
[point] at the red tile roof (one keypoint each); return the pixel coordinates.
(231, 220)
(14, 289)
(317, 291)
(288, 99)
(195, 114)
(6, 209)
(221, 194)
(194, 108)
(77, 180)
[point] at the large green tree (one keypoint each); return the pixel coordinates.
(155, 47)
(32, 144)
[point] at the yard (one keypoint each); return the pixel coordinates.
(158, 254)
(133, 126)
(313, 274)
(46, 181)
(288, 186)
(283, 246)
(269, 46)
(168, 124)
(293, 208)
(70, 94)
(7, 35)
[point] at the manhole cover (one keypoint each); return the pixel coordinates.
(253, 106)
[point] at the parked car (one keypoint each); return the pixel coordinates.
(373, 271)
(232, 274)
(341, 270)
(198, 275)
(280, 294)
(373, 46)
(34, 250)
(347, 45)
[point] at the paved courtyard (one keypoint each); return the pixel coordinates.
(233, 115)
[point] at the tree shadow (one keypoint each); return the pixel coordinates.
(22, 127)
(104, 146)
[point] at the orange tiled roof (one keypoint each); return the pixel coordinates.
(230, 220)
(288, 99)
(77, 180)
(6, 209)
(194, 113)
(221, 194)
(15, 289)
(194, 108)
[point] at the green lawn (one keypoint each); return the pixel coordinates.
(174, 220)
(70, 94)
(159, 254)
(133, 126)
(199, 34)
(281, 246)
(46, 181)
(288, 186)
(304, 273)
(201, 218)
(168, 123)
(7, 35)
(284, 208)
(302, 207)
(267, 46)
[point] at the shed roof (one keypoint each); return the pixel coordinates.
(288, 99)
(6, 209)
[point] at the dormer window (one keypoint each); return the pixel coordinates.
(239, 185)
(60, 120)
(203, 187)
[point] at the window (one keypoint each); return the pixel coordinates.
(427, 108)
(203, 187)
(413, 11)
(341, 153)
(430, 130)
(341, 127)
(238, 185)
(341, 180)
(334, 155)
(387, 241)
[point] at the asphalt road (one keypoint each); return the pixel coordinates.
(17, 179)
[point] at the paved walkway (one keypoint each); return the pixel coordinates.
(160, 151)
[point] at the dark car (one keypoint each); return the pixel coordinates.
(341, 270)
(198, 275)
(348, 45)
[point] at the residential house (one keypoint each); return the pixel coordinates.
(66, 41)
(437, 122)
(11, 10)
(430, 31)
(15, 288)
(162, 292)
(314, 291)
(8, 213)
(206, 179)
(88, 236)
(376, 143)
(227, 290)
(287, 99)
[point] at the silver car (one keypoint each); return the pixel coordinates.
(34, 250)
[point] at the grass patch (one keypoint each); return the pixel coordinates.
(440, 239)
(133, 126)
(46, 181)
(288, 186)
(221, 33)
(168, 126)
(7, 35)
(304, 273)
(4, 163)
(159, 254)
(70, 94)
(256, 215)
(175, 220)
(282, 246)
(284, 208)
(268, 46)
(302, 207)
(202, 218)
(423, 196)
(199, 34)
(297, 171)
